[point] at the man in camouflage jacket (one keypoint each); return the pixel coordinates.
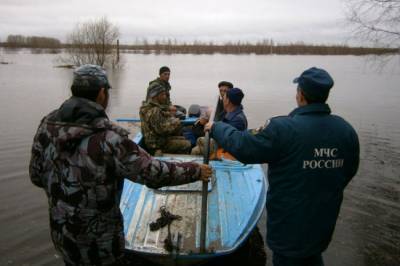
(81, 159)
(162, 80)
(161, 130)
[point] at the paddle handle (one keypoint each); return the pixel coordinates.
(204, 197)
(204, 191)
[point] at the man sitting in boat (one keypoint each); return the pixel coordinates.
(233, 109)
(163, 80)
(161, 130)
(223, 87)
(233, 115)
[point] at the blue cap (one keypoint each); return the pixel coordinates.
(315, 82)
(91, 76)
(235, 96)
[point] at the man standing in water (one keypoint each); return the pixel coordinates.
(81, 159)
(312, 155)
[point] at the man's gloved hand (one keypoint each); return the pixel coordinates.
(205, 172)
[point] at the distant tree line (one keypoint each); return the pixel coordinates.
(95, 41)
(263, 47)
(20, 41)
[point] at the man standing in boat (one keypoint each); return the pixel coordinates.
(81, 159)
(162, 132)
(312, 155)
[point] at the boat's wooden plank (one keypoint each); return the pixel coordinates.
(170, 199)
(144, 219)
(137, 212)
(198, 221)
(191, 222)
(181, 207)
(129, 201)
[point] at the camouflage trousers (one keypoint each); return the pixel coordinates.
(177, 144)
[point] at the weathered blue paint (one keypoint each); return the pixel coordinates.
(236, 201)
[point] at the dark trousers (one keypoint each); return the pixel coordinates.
(280, 260)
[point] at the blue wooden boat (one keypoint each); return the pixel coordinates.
(236, 200)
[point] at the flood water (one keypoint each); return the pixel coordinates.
(368, 229)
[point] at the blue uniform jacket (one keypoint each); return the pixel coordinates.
(237, 118)
(311, 155)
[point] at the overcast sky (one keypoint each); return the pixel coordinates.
(311, 21)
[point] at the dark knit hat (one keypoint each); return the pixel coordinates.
(164, 69)
(235, 96)
(315, 82)
(155, 89)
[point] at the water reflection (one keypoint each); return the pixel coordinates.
(368, 231)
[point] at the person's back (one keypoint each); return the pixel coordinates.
(311, 156)
(308, 176)
(81, 159)
(84, 205)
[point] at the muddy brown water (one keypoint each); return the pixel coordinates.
(368, 229)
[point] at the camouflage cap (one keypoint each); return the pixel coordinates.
(91, 76)
(155, 89)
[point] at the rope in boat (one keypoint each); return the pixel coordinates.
(166, 219)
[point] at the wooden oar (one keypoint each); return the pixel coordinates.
(204, 192)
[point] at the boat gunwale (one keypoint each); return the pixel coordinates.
(209, 255)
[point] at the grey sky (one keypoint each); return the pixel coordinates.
(311, 21)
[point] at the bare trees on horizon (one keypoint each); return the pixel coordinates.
(93, 42)
(260, 48)
(96, 41)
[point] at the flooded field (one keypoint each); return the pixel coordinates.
(368, 230)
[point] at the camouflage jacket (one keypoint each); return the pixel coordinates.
(157, 124)
(163, 83)
(81, 159)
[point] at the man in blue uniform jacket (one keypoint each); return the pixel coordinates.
(312, 155)
(233, 109)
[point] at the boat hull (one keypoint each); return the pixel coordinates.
(236, 201)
